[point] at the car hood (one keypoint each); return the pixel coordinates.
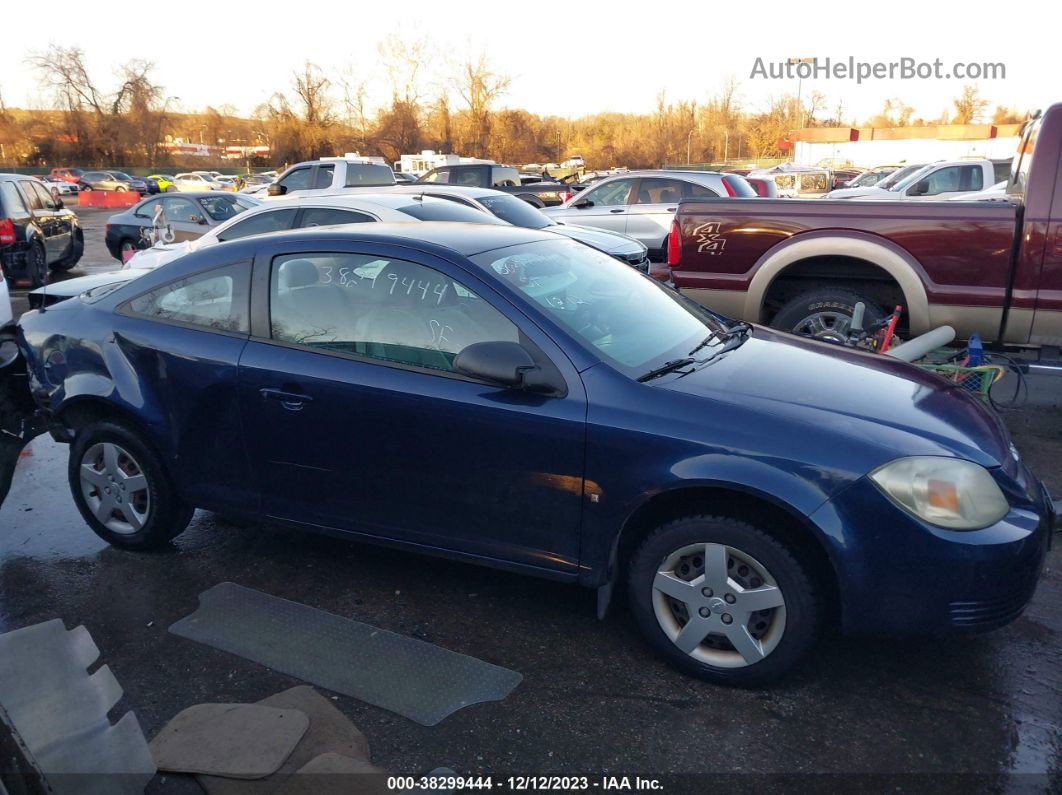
(68, 288)
(613, 243)
(889, 407)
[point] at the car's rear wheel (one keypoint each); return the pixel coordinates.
(127, 246)
(825, 313)
(122, 489)
(37, 264)
(723, 600)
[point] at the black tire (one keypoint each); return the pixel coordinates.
(831, 305)
(120, 189)
(126, 244)
(37, 264)
(796, 627)
(165, 515)
(73, 254)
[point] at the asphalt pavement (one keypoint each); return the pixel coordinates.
(963, 713)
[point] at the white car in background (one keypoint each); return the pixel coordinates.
(276, 216)
(195, 181)
(932, 182)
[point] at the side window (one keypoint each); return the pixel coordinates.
(299, 179)
(12, 204)
(259, 224)
(504, 177)
(178, 210)
(692, 190)
(465, 175)
(944, 180)
(610, 194)
(652, 190)
(216, 299)
(973, 178)
(439, 175)
(323, 177)
(147, 209)
(43, 195)
(33, 201)
(391, 310)
(324, 216)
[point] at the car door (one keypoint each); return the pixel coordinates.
(181, 341)
(356, 420)
(42, 215)
(604, 206)
(183, 215)
(653, 206)
(946, 182)
(297, 181)
(57, 227)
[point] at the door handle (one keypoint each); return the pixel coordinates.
(293, 401)
(671, 210)
(617, 211)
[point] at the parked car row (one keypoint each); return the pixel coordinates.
(37, 232)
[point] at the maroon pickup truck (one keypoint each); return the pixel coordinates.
(994, 268)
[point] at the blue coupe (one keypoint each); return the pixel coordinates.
(507, 396)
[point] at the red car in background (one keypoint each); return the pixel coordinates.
(67, 174)
(764, 188)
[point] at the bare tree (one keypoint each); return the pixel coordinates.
(969, 106)
(479, 86)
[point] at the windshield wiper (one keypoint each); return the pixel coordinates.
(667, 367)
(741, 327)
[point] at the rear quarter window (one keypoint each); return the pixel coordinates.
(11, 204)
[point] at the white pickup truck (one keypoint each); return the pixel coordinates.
(932, 182)
(330, 175)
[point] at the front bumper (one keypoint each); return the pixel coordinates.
(899, 575)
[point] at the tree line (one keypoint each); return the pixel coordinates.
(456, 109)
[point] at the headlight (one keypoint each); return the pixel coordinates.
(947, 492)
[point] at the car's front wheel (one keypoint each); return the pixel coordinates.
(723, 600)
(121, 488)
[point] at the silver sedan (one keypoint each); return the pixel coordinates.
(642, 204)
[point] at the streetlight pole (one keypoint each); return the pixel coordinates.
(689, 137)
(726, 145)
(800, 83)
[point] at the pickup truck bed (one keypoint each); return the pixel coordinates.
(950, 260)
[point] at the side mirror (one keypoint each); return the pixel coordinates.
(197, 219)
(579, 205)
(277, 190)
(59, 204)
(503, 363)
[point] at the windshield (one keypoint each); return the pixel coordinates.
(629, 319)
(899, 180)
(516, 211)
(221, 208)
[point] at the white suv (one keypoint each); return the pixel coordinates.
(329, 176)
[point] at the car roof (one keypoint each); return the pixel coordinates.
(464, 239)
(470, 191)
(391, 199)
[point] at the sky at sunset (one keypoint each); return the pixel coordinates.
(567, 59)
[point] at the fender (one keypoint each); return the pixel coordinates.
(878, 251)
(784, 491)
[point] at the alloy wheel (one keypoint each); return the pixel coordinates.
(115, 488)
(719, 605)
(825, 325)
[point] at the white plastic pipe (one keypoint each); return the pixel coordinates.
(915, 349)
